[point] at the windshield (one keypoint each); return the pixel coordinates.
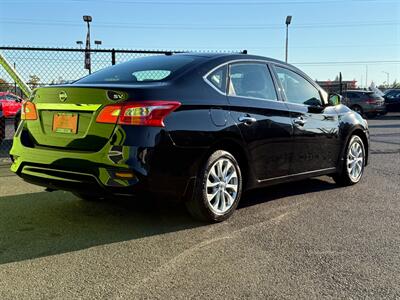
(146, 69)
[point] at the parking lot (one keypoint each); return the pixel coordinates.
(310, 239)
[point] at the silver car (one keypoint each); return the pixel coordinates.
(365, 102)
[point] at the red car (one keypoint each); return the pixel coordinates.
(10, 104)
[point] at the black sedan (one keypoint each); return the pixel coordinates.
(199, 127)
(392, 100)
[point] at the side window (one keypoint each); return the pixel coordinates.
(393, 94)
(11, 98)
(251, 80)
(218, 79)
(297, 89)
(352, 95)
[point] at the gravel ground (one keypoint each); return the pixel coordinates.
(309, 239)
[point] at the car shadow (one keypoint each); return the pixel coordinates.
(42, 224)
(274, 192)
(388, 117)
(385, 126)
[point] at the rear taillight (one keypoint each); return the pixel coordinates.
(148, 113)
(372, 101)
(28, 111)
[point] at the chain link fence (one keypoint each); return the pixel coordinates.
(48, 66)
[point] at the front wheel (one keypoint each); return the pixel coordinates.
(218, 188)
(353, 162)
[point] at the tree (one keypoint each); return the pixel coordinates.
(34, 81)
(4, 86)
(396, 85)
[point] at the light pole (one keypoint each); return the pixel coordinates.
(97, 43)
(88, 64)
(288, 21)
(387, 78)
(80, 43)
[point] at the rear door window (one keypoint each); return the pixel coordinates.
(218, 79)
(251, 80)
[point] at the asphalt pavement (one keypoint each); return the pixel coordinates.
(309, 240)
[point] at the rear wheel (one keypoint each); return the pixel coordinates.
(357, 109)
(353, 162)
(218, 188)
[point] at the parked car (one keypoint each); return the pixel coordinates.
(10, 104)
(365, 102)
(2, 126)
(200, 127)
(392, 100)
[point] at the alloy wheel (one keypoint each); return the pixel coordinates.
(222, 186)
(355, 160)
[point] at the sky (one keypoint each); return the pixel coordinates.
(360, 38)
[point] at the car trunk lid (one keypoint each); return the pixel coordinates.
(67, 117)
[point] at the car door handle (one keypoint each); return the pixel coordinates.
(300, 121)
(247, 120)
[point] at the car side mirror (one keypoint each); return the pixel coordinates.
(335, 99)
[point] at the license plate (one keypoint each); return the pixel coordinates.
(65, 123)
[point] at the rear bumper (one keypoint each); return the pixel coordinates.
(100, 172)
(374, 109)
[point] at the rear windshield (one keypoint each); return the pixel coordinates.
(373, 95)
(145, 69)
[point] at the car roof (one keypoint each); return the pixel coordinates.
(359, 91)
(229, 56)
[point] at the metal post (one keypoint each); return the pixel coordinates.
(90, 62)
(287, 42)
(288, 21)
(15, 83)
(113, 56)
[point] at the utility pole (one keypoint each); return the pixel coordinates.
(387, 78)
(288, 21)
(366, 77)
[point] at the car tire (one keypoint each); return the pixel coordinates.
(218, 188)
(353, 163)
(358, 109)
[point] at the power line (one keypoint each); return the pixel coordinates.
(210, 3)
(188, 26)
(365, 62)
